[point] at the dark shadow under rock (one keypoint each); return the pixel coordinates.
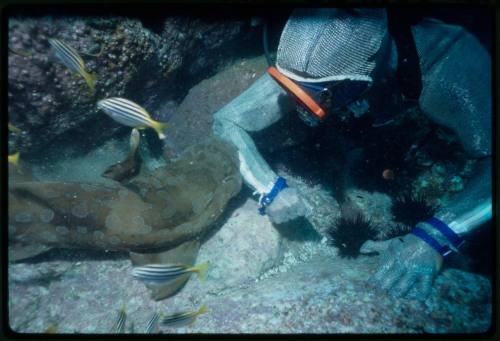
(298, 229)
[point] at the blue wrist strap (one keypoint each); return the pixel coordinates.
(443, 250)
(267, 199)
(312, 86)
(454, 238)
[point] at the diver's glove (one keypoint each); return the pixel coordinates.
(282, 203)
(413, 260)
(405, 262)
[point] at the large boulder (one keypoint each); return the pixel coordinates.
(244, 248)
(193, 118)
(47, 101)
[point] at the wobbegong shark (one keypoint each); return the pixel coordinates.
(158, 216)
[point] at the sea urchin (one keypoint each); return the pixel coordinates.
(411, 209)
(348, 234)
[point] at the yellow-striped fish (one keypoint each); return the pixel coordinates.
(14, 129)
(20, 53)
(119, 326)
(183, 318)
(70, 57)
(161, 273)
(152, 326)
(14, 159)
(130, 114)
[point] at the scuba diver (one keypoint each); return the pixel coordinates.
(367, 60)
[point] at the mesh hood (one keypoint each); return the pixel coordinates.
(327, 44)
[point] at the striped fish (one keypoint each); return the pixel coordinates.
(130, 114)
(20, 53)
(14, 129)
(161, 273)
(152, 326)
(119, 326)
(72, 60)
(183, 318)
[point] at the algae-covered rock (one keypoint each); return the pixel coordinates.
(49, 102)
(194, 116)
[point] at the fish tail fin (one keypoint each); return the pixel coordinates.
(89, 79)
(158, 127)
(14, 159)
(203, 309)
(13, 128)
(201, 269)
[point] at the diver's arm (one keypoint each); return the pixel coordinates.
(466, 211)
(457, 95)
(472, 206)
(253, 110)
(410, 263)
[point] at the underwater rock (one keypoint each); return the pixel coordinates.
(194, 116)
(330, 295)
(376, 207)
(175, 204)
(323, 208)
(322, 295)
(47, 101)
(456, 184)
(196, 45)
(244, 248)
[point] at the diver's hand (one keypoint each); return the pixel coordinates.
(406, 262)
(286, 206)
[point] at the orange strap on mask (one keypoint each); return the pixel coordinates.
(300, 95)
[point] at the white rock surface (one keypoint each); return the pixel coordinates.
(245, 246)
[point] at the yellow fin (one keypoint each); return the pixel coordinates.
(200, 270)
(50, 330)
(89, 79)
(203, 309)
(14, 159)
(14, 129)
(158, 127)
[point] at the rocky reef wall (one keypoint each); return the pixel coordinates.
(50, 103)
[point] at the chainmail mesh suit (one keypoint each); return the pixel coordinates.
(319, 45)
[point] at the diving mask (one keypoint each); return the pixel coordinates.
(315, 100)
(309, 102)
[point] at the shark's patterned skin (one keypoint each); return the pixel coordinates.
(157, 211)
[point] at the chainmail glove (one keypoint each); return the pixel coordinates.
(286, 206)
(405, 262)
